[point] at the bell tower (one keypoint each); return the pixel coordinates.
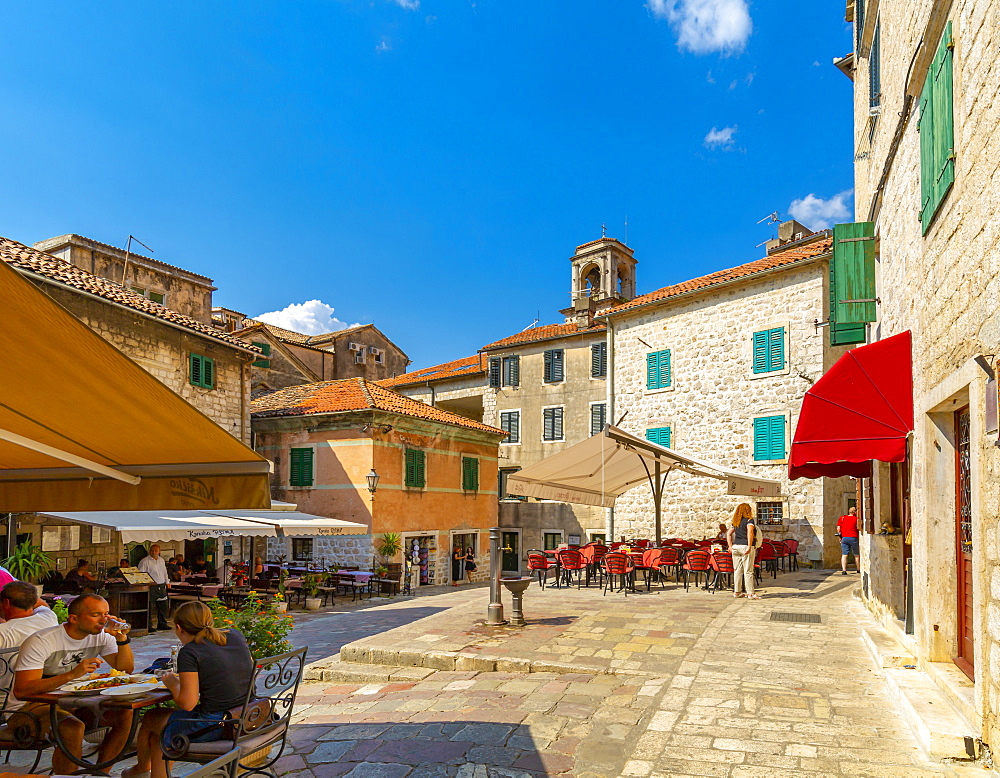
(603, 275)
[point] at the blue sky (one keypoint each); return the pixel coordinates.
(426, 165)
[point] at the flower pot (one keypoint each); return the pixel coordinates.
(281, 607)
(313, 603)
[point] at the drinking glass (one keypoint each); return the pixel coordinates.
(115, 624)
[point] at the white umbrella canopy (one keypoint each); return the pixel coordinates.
(166, 526)
(292, 523)
(597, 470)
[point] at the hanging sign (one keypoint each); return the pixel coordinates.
(753, 488)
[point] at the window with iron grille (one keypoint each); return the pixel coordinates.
(769, 513)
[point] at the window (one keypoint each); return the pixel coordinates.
(201, 371)
(157, 297)
(502, 476)
(598, 417)
(852, 283)
(139, 291)
(859, 22)
(936, 126)
(599, 359)
(300, 471)
(551, 540)
(769, 513)
(470, 474)
(598, 537)
(505, 371)
(302, 549)
(875, 71)
(659, 435)
(510, 422)
(414, 466)
(263, 361)
(658, 369)
(768, 438)
(378, 355)
(553, 371)
(552, 423)
(769, 350)
(359, 352)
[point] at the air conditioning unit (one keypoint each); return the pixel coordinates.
(356, 347)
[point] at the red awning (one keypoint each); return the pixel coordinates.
(861, 410)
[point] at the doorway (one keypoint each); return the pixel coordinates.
(511, 552)
(965, 659)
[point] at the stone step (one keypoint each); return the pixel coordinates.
(939, 729)
(885, 651)
(334, 669)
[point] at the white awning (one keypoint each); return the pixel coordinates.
(597, 470)
(291, 523)
(165, 526)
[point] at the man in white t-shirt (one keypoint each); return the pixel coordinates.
(156, 567)
(25, 614)
(64, 653)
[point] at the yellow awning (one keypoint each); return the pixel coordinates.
(84, 428)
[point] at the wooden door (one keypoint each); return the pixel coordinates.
(963, 542)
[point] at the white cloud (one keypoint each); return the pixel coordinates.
(819, 214)
(704, 26)
(720, 139)
(312, 317)
(409, 5)
(384, 45)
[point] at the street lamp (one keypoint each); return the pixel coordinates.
(372, 479)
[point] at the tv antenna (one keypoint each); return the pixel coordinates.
(604, 230)
(128, 249)
(771, 218)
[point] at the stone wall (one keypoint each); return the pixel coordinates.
(163, 351)
(714, 397)
(340, 550)
(944, 287)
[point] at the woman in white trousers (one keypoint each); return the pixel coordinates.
(740, 539)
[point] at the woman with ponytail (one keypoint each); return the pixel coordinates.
(213, 675)
(741, 539)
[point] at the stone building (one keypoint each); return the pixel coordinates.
(291, 358)
(208, 368)
(436, 472)
(172, 287)
(716, 367)
(927, 162)
(457, 386)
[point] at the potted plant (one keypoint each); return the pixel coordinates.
(280, 605)
(311, 583)
(388, 547)
(28, 563)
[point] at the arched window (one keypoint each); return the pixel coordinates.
(592, 281)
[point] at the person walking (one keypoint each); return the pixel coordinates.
(741, 539)
(847, 531)
(457, 564)
(470, 563)
(156, 567)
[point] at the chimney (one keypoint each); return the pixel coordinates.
(788, 232)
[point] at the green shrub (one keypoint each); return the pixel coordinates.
(265, 629)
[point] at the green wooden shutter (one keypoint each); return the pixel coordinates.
(776, 349)
(470, 474)
(208, 372)
(515, 427)
(194, 369)
(599, 360)
(658, 369)
(852, 277)
(515, 371)
(760, 352)
(598, 417)
(937, 131)
(553, 367)
(495, 372)
(659, 435)
(421, 461)
(300, 467)
(762, 438)
(777, 437)
(263, 361)
(414, 468)
(875, 68)
(665, 368)
(558, 365)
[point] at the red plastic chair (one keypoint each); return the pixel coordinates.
(620, 565)
(540, 564)
(765, 560)
(722, 563)
(570, 561)
(643, 544)
(696, 561)
(780, 552)
(793, 553)
(653, 563)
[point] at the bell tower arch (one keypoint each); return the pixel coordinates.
(602, 275)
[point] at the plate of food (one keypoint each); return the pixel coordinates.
(131, 689)
(97, 682)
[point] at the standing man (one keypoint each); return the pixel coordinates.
(847, 531)
(64, 653)
(156, 568)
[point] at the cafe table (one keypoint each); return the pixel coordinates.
(56, 700)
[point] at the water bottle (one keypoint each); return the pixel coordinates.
(172, 666)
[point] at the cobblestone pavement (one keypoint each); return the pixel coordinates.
(726, 692)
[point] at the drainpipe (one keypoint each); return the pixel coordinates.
(609, 523)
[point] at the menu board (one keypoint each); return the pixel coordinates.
(135, 576)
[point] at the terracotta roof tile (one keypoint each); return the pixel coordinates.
(32, 260)
(778, 259)
(545, 332)
(281, 334)
(455, 369)
(353, 394)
